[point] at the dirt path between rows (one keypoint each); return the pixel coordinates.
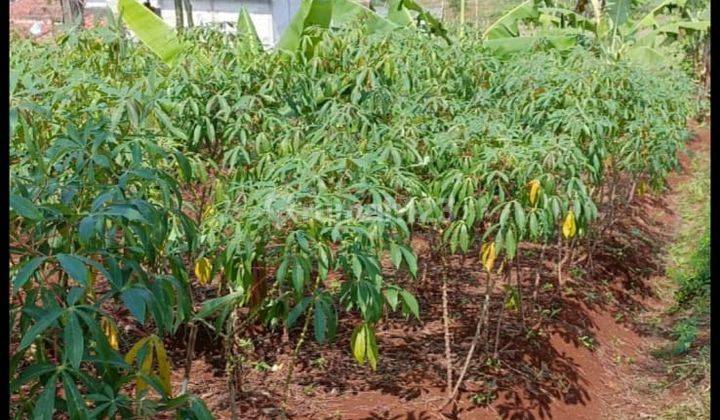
(582, 355)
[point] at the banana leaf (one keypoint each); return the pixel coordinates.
(649, 20)
(346, 11)
(505, 47)
(311, 13)
(433, 24)
(327, 13)
(572, 19)
(151, 30)
(646, 56)
(672, 30)
(618, 11)
(245, 26)
(398, 14)
(507, 25)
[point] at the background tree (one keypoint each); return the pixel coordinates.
(72, 10)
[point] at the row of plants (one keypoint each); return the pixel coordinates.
(283, 181)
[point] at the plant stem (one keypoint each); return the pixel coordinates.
(189, 357)
(559, 264)
(299, 344)
(497, 332)
(536, 286)
(476, 338)
(446, 327)
(230, 364)
(519, 287)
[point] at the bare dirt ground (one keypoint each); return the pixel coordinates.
(584, 354)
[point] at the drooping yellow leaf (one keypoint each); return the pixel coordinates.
(568, 227)
(145, 369)
(358, 343)
(371, 349)
(90, 290)
(209, 211)
(534, 191)
(164, 366)
(132, 354)
(487, 252)
(202, 270)
(111, 332)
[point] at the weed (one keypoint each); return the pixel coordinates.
(587, 341)
(319, 363)
(261, 366)
(485, 398)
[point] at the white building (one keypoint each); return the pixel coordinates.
(270, 17)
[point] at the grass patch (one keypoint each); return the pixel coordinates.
(688, 357)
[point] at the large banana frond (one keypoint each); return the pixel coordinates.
(311, 13)
(505, 47)
(345, 11)
(649, 21)
(554, 16)
(327, 13)
(151, 30)
(507, 25)
(618, 11)
(398, 14)
(245, 26)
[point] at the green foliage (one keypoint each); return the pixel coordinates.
(616, 30)
(96, 215)
(694, 279)
(312, 169)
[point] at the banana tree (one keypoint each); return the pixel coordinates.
(503, 37)
(618, 34)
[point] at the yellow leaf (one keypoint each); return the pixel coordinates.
(145, 369)
(534, 191)
(209, 211)
(90, 290)
(487, 252)
(568, 227)
(132, 354)
(164, 366)
(202, 270)
(111, 332)
(608, 162)
(371, 347)
(357, 343)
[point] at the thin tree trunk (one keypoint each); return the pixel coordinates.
(72, 11)
(179, 15)
(188, 12)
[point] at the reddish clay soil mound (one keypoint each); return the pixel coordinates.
(572, 356)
